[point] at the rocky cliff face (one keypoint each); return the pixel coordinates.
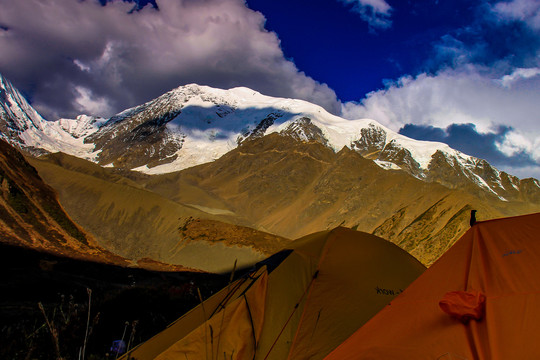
(478, 176)
(303, 129)
(447, 167)
(139, 136)
(16, 115)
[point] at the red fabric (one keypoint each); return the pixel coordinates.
(464, 305)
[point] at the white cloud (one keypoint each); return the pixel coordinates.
(527, 11)
(81, 65)
(519, 74)
(131, 58)
(88, 103)
(461, 97)
(379, 6)
(515, 142)
(375, 12)
(523, 172)
(500, 97)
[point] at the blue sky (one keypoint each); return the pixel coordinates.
(465, 72)
(330, 42)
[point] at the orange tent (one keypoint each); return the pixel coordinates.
(480, 300)
(319, 294)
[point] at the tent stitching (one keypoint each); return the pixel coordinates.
(252, 325)
(314, 329)
(292, 313)
(331, 237)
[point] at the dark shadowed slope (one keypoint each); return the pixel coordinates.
(30, 215)
(147, 300)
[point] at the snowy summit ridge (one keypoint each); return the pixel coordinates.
(210, 122)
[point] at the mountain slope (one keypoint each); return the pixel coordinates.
(137, 224)
(293, 188)
(31, 217)
(195, 124)
(279, 165)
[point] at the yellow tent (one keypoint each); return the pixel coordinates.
(327, 287)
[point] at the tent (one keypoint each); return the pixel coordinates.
(331, 283)
(480, 300)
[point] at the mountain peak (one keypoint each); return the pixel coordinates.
(21, 125)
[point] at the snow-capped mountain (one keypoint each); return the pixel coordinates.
(194, 124)
(22, 126)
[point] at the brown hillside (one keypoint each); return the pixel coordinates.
(139, 224)
(31, 217)
(294, 188)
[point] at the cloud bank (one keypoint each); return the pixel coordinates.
(77, 57)
(527, 11)
(480, 95)
(503, 113)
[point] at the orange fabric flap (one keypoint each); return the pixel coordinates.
(464, 305)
